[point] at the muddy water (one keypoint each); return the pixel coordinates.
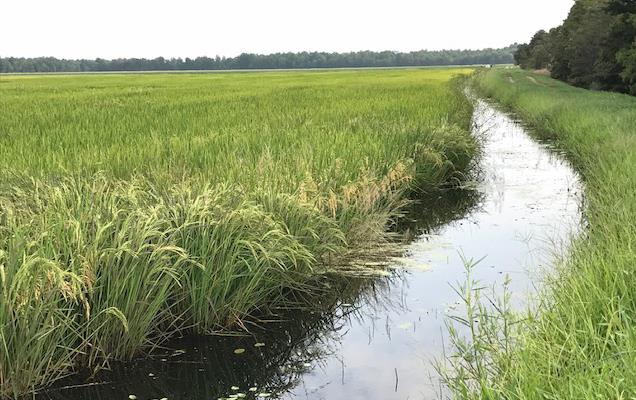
(379, 338)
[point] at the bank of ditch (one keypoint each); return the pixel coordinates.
(580, 341)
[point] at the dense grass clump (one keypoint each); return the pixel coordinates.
(581, 344)
(133, 207)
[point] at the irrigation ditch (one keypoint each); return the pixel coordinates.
(378, 338)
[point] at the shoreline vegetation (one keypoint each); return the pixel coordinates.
(136, 208)
(579, 342)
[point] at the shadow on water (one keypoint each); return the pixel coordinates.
(436, 209)
(280, 350)
(271, 359)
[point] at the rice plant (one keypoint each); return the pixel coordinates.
(135, 207)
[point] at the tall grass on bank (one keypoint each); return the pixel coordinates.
(581, 342)
(135, 207)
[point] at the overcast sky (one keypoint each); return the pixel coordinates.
(189, 28)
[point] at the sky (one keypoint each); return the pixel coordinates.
(190, 28)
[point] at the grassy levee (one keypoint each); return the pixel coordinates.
(581, 343)
(133, 207)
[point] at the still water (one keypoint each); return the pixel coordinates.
(379, 339)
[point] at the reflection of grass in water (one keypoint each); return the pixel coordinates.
(436, 209)
(294, 340)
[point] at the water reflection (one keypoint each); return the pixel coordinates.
(269, 361)
(375, 338)
(431, 211)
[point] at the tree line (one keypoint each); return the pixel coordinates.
(269, 61)
(595, 47)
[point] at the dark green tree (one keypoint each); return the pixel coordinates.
(594, 48)
(622, 42)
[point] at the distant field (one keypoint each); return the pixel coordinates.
(204, 125)
(253, 70)
(133, 206)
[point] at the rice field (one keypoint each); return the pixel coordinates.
(135, 207)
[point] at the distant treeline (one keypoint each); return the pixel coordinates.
(594, 48)
(270, 61)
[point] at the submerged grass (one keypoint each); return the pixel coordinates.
(135, 207)
(581, 341)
